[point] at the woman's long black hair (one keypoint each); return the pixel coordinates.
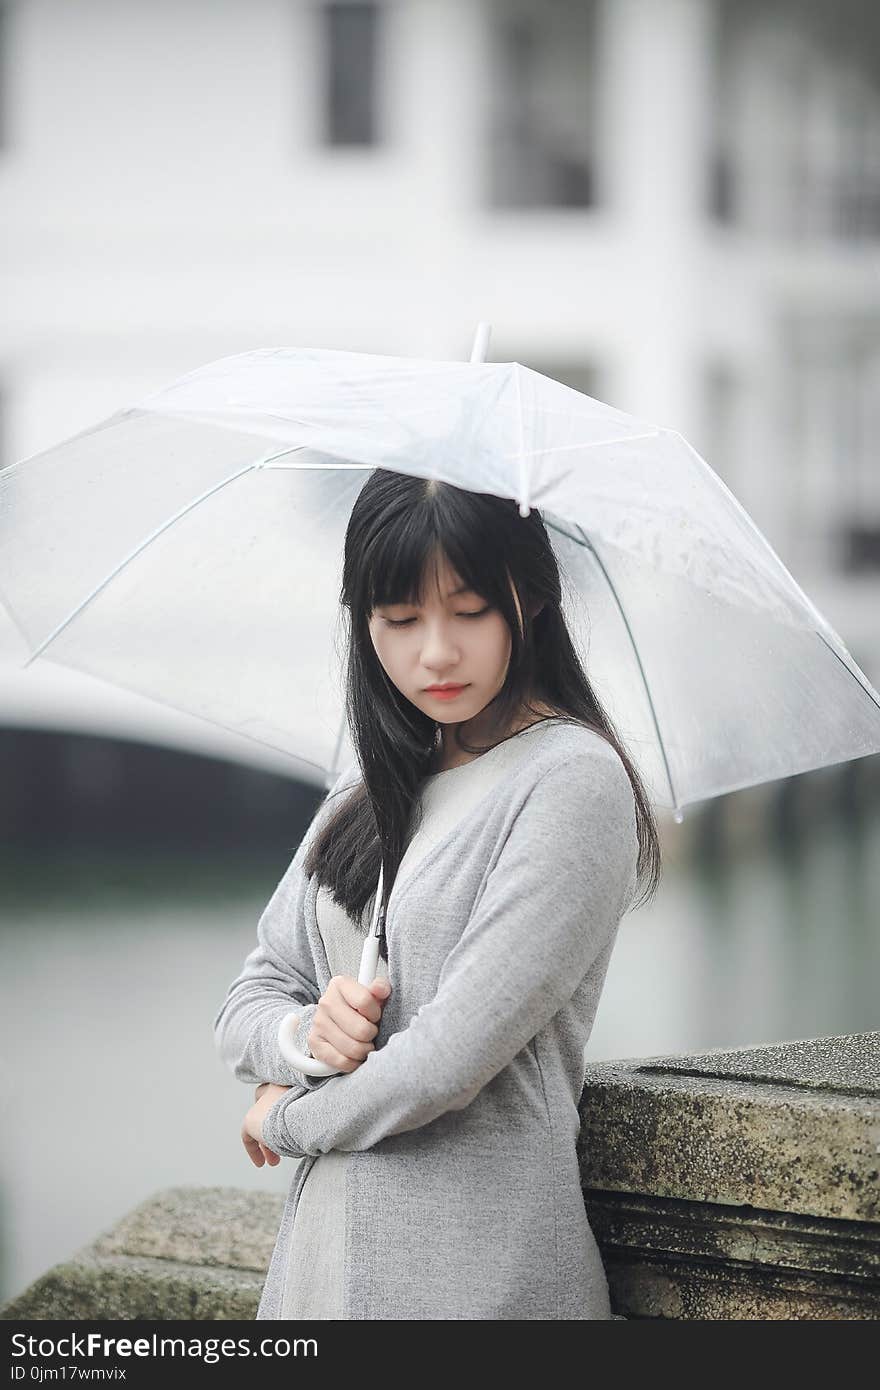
(398, 526)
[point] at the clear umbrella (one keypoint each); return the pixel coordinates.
(189, 548)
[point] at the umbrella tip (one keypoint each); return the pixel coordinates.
(481, 342)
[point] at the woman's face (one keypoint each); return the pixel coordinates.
(451, 638)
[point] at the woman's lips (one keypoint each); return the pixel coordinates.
(448, 694)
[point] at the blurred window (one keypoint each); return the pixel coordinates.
(834, 361)
(4, 72)
(796, 144)
(350, 46)
(542, 103)
(859, 385)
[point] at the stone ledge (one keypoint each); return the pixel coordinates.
(846, 1065)
(90, 1287)
(696, 1260)
(782, 1128)
(722, 1185)
(229, 1227)
(691, 1291)
(185, 1253)
(738, 1184)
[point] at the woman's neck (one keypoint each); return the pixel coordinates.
(448, 755)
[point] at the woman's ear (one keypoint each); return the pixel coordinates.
(535, 609)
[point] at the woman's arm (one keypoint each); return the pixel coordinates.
(277, 976)
(556, 893)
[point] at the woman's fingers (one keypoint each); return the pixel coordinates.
(357, 997)
(259, 1153)
(330, 1044)
(253, 1147)
(346, 1022)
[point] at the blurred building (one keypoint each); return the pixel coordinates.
(671, 204)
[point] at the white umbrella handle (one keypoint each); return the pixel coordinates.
(366, 975)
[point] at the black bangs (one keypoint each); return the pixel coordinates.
(402, 554)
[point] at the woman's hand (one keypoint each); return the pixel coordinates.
(252, 1128)
(344, 1024)
(346, 1020)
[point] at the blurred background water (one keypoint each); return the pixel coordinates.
(673, 205)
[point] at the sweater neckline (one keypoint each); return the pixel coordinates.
(432, 778)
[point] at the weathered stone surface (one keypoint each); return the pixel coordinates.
(185, 1253)
(697, 1260)
(738, 1184)
(714, 1128)
(706, 1293)
(125, 1287)
(846, 1065)
(225, 1226)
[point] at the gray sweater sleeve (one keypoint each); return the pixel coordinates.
(277, 977)
(556, 890)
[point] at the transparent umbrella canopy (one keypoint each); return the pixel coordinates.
(189, 548)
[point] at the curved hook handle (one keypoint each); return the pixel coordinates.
(311, 1066)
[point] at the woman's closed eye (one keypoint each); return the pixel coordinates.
(404, 622)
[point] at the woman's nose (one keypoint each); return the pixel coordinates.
(438, 649)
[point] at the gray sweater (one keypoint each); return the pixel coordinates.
(314, 1285)
(462, 1197)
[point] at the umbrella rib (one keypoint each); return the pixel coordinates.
(315, 449)
(869, 693)
(133, 555)
(270, 458)
(593, 444)
(590, 546)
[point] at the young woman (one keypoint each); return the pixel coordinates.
(437, 1176)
